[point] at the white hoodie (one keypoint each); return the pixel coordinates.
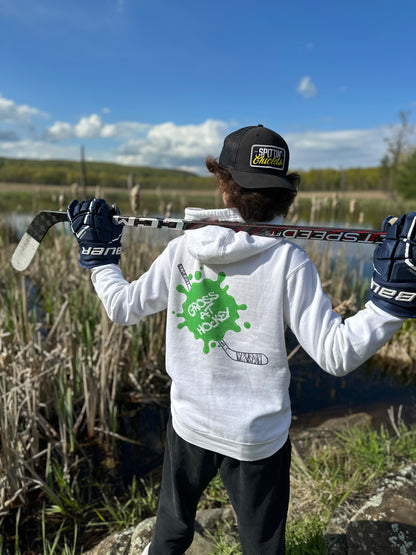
(229, 298)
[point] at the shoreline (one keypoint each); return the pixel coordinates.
(357, 194)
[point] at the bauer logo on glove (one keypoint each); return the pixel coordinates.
(100, 251)
(394, 279)
(99, 238)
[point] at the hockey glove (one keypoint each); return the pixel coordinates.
(394, 279)
(98, 237)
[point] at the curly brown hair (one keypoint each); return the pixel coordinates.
(254, 205)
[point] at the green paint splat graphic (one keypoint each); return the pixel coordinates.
(209, 312)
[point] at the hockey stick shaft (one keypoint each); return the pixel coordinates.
(43, 221)
(345, 235)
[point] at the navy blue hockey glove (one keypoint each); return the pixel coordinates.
(98, 237)
(394, 279)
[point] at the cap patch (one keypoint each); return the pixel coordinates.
(267, 156)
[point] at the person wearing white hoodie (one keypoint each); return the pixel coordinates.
(230, 298)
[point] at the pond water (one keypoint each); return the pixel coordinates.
(312, 389)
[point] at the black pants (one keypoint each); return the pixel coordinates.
(258, 491)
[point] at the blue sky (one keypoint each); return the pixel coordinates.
(160, 83)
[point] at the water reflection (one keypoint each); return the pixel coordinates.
(312, 389)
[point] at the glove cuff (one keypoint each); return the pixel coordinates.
(394, 310)
(398, 299)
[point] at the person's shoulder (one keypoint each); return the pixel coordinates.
(174, 245)
(291, 249)
(291, 255)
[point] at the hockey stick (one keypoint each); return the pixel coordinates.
(43, 221)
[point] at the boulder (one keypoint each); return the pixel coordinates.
(115, 544)
(382, 523)
(133, 540)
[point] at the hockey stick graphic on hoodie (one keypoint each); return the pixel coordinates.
(43, 221)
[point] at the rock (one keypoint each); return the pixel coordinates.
(383, 523)
(132, 541)
(114, 545)
(142, 535)
(206, 524)
(383, 538)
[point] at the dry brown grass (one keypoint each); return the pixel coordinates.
(64, 365)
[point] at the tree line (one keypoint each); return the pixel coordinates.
(65, 172)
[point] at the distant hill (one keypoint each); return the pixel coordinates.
(66, 172)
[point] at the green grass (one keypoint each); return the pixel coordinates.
(140, 502)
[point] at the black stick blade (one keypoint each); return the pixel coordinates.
(32, 238)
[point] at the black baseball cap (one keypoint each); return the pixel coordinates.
(257, 158)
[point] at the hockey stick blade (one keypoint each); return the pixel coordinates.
(32, 238)
(43, 221)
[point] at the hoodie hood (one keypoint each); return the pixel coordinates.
(219, 245)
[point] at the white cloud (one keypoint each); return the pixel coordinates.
(10, 112)
(39, 150)
(336, 149)
(306, 87)
(166, 145)
(169, 145)
(92, 126)
(60, 131)
(123, 129)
